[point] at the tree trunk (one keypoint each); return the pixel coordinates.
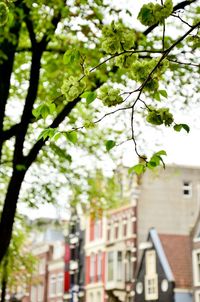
(9, 210)
(4, 280)
(3, 290)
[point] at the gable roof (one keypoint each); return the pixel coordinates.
(178, 252)
(174, 253)
(161, 254)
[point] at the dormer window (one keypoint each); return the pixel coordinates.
(187, 189)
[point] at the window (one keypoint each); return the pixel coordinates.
(99, 266)
(92, 267)
(42, 265)
(98, 296)
(119, 266)
(151, 278)
(58, 250)
(52, 286)
(108, 233)
(116, 231)
(187, 189)
(40, 293)
(124, 228)
(59, 288)
(97, 229)
(196, 265)
(197, 296)
(33, 294)
(91, 297)
(151, 288)
(110, 267)
(129, 267)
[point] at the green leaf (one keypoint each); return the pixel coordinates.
(157, 96)
(110, 144)
(49, 132)
(186, 128)
(179, 127)
(163, 93)
(56, 136)
(90, 96)
(155, 159)
(71, 136)
(44, 111)
(161, 152)
(139, 169)
(52, 108)
(71, 56)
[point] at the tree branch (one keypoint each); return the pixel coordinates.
(37, 52)
(6, 66)
(29, 25)
(29, 159)
(180, 5)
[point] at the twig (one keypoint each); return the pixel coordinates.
(184, 63)
(183, 21)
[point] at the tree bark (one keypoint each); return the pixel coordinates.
(4, 280)
(6, 68)
(3, 290)
(9, 210)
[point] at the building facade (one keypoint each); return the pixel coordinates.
(165, 271)
(95, 249)
(121, 253)
(169, 200)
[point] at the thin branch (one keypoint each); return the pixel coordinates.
(112, 112)
(123, 142)
(184, 63)
(145, 104)
(163, 37)
(183, 21)
(101, 118)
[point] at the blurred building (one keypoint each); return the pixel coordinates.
(95, 250)
(47, 281)
(165, 271)
(121, 253)
(169, 200)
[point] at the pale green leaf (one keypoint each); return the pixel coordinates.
(71, 136)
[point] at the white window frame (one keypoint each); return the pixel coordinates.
(119, 266)
(99, 265)
(110, 265)
(99, 296)
(97, 229)
(196, 272)
(151, 276)
(154, 294)
(129, 267)
(188, 188)
(33, 293)
(40, 292)
(52, 286)
(92, 267)
(197, 296)
(60, 284)
(42, 266)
